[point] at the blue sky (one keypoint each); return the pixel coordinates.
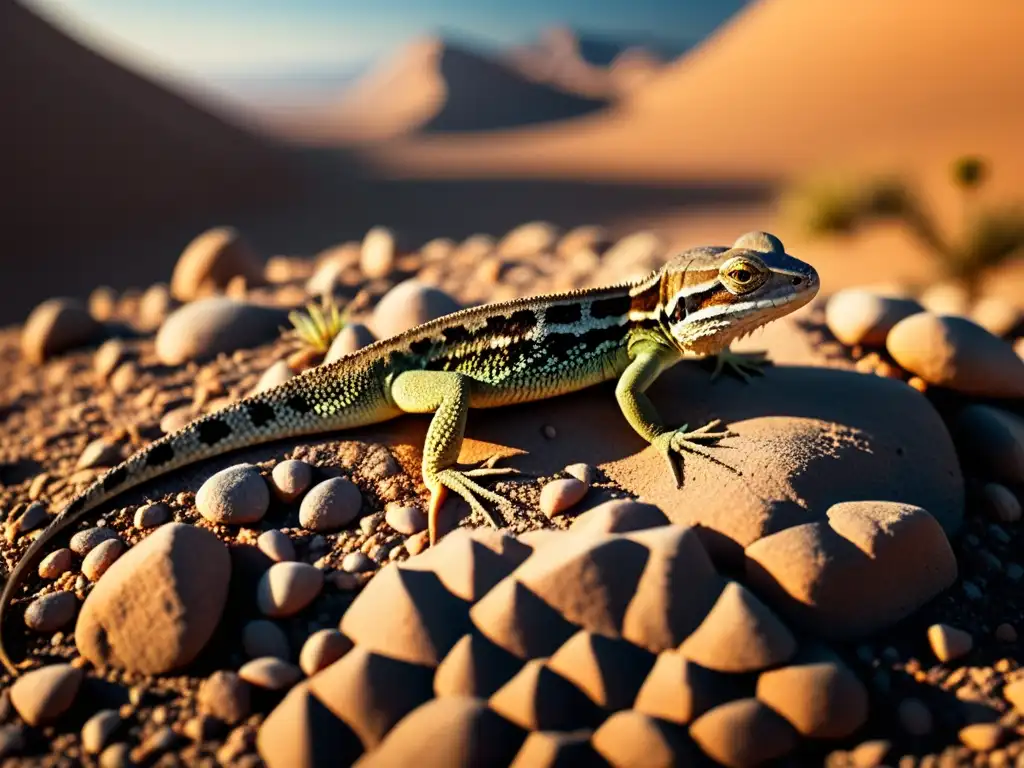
(201, 39)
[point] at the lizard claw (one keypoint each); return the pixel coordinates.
(674, 445)
(743, 365)
(470, 491)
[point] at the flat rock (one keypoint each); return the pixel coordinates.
(991, 441)
(56, 326)
(210, 261)
(862, 317)
(955, 353)
(869, 565)
(407, 305)
(158, 604)
(203, 329)
(742, 733)
(234, 496)
(43, 695)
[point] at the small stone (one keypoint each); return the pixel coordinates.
(270, 673)
(290, 479)
(526, 240)
(276, 545)
(1000, 503)
(56, 326)
(152, 515)
(995, 315)
(98, 729)
(55, 564)
(287, 588)
(321, 649)
(992, 440)
(743, 732)
(948, 642)
(915, 717)
(377, 256)
(1005, 633)
(118, 755)
(177, 418)
(417, 543)
(124, 378)
(407, 305)
(330, 505)
(357, 562)
(1013, 692)
(84, 542)
(157, 743)
(822, 699)
(35, 516)
(12, 740)
(234, 496)
(203, 329)
(110, 354)
(155, 305)
(43, 695)
(870, 754)
(558, 496)
(99, 453)
(275, 375)
(585, 473)
(351, 338)
(982, 737)
(584, 238)
(51, 612)
(264, 638)
(224, 695)
(210, 261)
(404, 519)
(101, 557)
(861, 317)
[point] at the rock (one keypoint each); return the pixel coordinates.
(631, 738)
(619, 516)
(56, 326)
(404, 519)
(946, 299)
(915, 717)
(155, 305)
(585, 238)
(206, 328)
(948, 642)
(438, 249)
(742, 733)
(302, 731)
(474, 667)
(1000, 503)
(330, 505)
(101, 557)
(84, 542)
(585, 473)
(276, 374)
(610, 672)
(157, 605)
(108, 357)
(982, 737)
(43, 695)
(547, 749)
(377, 256)
(98, 729)
(270, 673)
(264, 638)
(1005, 633)
(117, 755)
(679, 691)
(152, 515)
(861, 317)
(538, 699)
(209, 263)
(357, 562)
(234, 496)
(35, 516)
(321, 649)
(124, 378)
(287, 588)
(821, 699)
(528, 240)
(634, 255)
(955, 353)
(1018, 347)
(351, 338)
(997, 316)
(55, 564)
(740, 634)
(558, 496)
(1014, 694)
(224, 695)
(290, 479)
(102, 303)
(514, 618)
(407, 305)
(991, 441)
(276, 545)
(51, 612)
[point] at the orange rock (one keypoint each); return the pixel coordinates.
(743, 733)
(679, 691)
(474, 667)
(301, 732)
(822, 700)
(609, 671)
(539, 699)
(948, 642)
(630, 738)
(209, 262)
(516, 619)
(548, 749)
(469, 562)
(43, 695)
(619, 516)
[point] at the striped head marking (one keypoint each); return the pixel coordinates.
(713, 295)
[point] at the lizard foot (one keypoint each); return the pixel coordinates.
(472, 492)
(674, 445)
(744, 365)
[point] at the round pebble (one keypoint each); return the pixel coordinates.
(357, 562)
(321, 649)
(34, 517)
(55, 564)
(276, 545)
(211, 260)
(377, 256)
(287, 588)
(275, 375)
(1000, 503)
(234, 496)
(84, 542)
(404, 519)
(351, 338)
(224, 695)
(982, 737)
(51, 612)
(152, 515)
(407, 305)
(270, 673)
(43, 695)
(101, 557)
(55, 326)
(98, 729)
(915, 717)
(948, 642)
(290, 479)
(995, 315)
(1005, 633)
(992, 440)
(264, 638)
(861, 317)
(585, 473)
(99, 453)
(558, 496)
(330, 505)
(203, 329)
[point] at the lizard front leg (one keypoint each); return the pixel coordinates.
(648, 362)
(744, 364)
(446, 395)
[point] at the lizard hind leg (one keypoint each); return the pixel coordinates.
(446, 395)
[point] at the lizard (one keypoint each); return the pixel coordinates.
(493, 355)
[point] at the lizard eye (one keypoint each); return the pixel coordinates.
(741, 275)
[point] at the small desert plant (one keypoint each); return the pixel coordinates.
(318, 326)
(988, 237)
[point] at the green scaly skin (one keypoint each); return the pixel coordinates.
(494, 355)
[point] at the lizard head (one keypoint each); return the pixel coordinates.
(713, 295)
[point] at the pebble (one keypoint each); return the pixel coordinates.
(35, 516)
(585, 473)
(417, 542)
(558, 496)
(154, 306)
(276, 374)
(287, 588)
(1013, 692)
(101, 557)
(859, 317)
(530, 239)
(12, 740)
(203, 329)
(276, 545)
(262, 637)
(407, 305)
(955, 353)
(110, 354)
(330, 505)
(98, 729)
(357, 562)
(821, 699)
(1000, 503)
(51, 612)
(124, 378)
(949, 643)
(405, 519)
(995, 315)
(99, 453)
(982, 737)
(915, 717)
(43, 695)
(117, 755)
(157, 743)
(224, 695)
(177, 418)
(270, 673)
(321, 649)
(1005, 633)
(210, 261)
(992, 441)
(152, 515)
(377, 255)
(56, 326)
(55, 564)
(290, 479)
(583, 238)
(84, 542)
(351, 338)
(234, 496)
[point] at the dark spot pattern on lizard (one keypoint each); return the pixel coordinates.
(613, 306)
(212, 431)
(260, 414)
(160, 453)
(299, 404)
(564, 314)
(114, 478)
